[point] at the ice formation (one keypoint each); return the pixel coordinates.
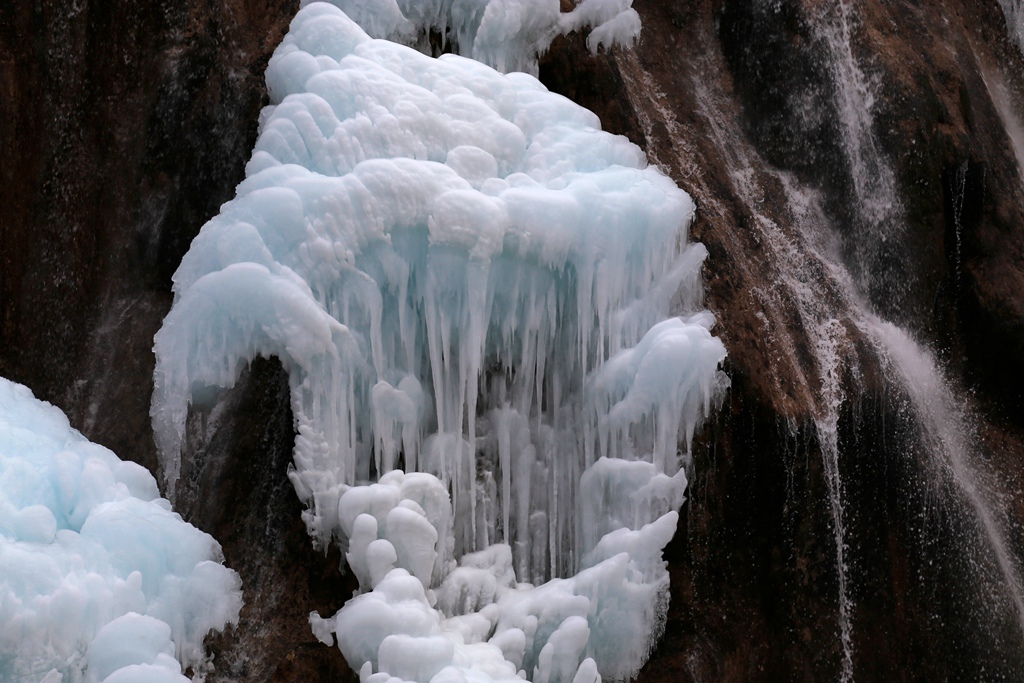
(99, 580)
(507, 35)
(478, 622)
(470, 286)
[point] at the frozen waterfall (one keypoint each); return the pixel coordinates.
(504, 34)
(472, 289)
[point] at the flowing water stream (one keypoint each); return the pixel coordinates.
(828, 288)
(942, 416)
(946, 424)
(1014, 11)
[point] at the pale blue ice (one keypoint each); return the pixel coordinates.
(490, 316)
(99, 579)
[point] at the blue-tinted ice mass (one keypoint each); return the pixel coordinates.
(490, 316)
(99, 580)
(471, 287)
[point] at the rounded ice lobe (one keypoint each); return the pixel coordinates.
(475, 165)
(35, 524)
(415, 659)
(131, 640)
(664, 376)
(560, 656)
(96, 572)
(397, 605)
(415, 541)
(396, 523)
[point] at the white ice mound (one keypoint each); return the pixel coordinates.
(478, 623)
(97, 575)
(508, 35)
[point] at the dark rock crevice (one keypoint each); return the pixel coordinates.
(234, 486)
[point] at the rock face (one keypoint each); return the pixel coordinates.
(824, 538)
(126, 125)
(235, 481)
(746, 105)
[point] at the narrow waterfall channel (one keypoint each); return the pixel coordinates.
(942, 415)
(949, 439)
(945, 425)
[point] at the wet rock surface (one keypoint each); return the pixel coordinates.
(736, 102)
(128, 125)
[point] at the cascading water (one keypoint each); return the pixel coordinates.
(872, 179)
(944, 427)
(828, 268)
(821, 301)
(953, 447)
(945, 430)
(1014, 12)
(878, 225)
(935, 406)
(1012, 123)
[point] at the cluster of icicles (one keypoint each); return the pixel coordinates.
(470, 287)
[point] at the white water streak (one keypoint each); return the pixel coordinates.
(1014, 12)
(829, 357)
(946, 423)
(820, 317)
(1011, 120)
(874, 184)
(959, 195)
(819, 292)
